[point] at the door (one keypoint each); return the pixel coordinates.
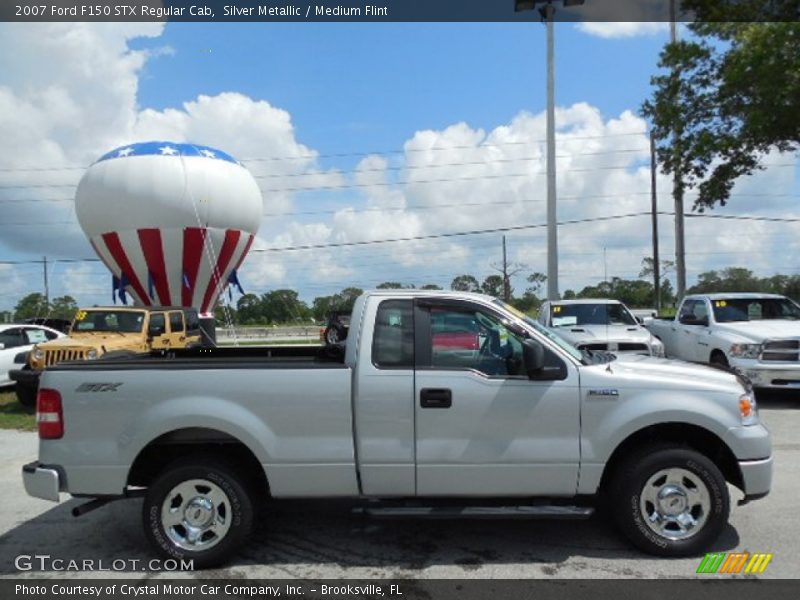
(692, 332)
(177, 329)
(157, 331)
(483, 428)
(13, 342)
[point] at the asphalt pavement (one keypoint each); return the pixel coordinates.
(327, 540)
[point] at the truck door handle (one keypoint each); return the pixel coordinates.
(435, 398)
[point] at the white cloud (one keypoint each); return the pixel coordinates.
(459, 178)
(622, 29)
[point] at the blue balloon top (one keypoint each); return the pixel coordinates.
(167, 149)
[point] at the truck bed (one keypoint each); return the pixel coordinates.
(246, 357)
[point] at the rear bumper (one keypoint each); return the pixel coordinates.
(25, 377)
(41, 482)
(756, 478)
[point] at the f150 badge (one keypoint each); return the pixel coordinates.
(605, 393)
(98, 387)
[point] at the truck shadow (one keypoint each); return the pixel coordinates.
(323, 538)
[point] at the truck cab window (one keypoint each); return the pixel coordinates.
(474, 340)
(393, 346)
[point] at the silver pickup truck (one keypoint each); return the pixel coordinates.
(443, 404)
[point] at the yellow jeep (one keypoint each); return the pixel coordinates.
(109, 332)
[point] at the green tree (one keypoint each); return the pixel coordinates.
(493, 286)
(322, 306)
(394, 285)
(431, 286)
(465, 283)
(32, 305)
(63, 307)
(732, 279)
(248, 310)
(730, 95)
(283, 306)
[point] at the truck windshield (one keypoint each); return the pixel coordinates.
(565, 315)
(108, 321)
(559, 341)
(728, 310)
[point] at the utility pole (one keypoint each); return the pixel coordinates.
(654, 212)
(552, 227)
(46, 286)
(677, 184)
(506, 282)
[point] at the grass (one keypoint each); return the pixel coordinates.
(13, 415)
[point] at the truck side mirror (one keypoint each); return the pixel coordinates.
(532, 357)
(2, 346)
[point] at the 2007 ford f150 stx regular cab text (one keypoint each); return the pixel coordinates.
(426, 427)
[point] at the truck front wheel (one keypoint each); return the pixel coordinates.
(670, 501)
(198, 510)
(26, 395)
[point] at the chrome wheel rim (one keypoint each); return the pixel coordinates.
(196, 514)
(675, 503)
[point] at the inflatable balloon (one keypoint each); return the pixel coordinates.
(172, 222)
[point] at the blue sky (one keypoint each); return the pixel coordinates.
(364, 104)
(356, 87)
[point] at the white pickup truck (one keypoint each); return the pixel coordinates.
(443, 404)
(756, 334)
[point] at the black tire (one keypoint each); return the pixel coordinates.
(335, 334)
(719, 359)
(235, 512)
(26, 395)
(638, 478)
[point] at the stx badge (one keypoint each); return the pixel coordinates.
(98, 387)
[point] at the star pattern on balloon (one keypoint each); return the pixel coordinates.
(168, 151)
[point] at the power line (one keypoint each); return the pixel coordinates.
(347, 154)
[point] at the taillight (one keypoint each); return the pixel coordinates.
(49, 415)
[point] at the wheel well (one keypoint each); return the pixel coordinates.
(681, 434)
(195, 440)
(717, 352)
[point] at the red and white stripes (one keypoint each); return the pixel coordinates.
(182, 267)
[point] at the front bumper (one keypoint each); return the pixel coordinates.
(768, 375)
(27, 377)
(756, 478)
(41, 482)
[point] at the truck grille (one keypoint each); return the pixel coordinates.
(781, 350)
(620, 347)
(53, 357)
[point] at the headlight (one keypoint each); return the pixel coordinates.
(748, 409)
(38, 354)
(745, 350)
(657, 347)
(91, 354)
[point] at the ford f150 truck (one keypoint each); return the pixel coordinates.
(519, 424)
(756, 334)
(599, 324)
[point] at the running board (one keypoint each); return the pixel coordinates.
(481, 512)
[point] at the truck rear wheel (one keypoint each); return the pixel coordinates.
(198, 509)
(670, 501)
